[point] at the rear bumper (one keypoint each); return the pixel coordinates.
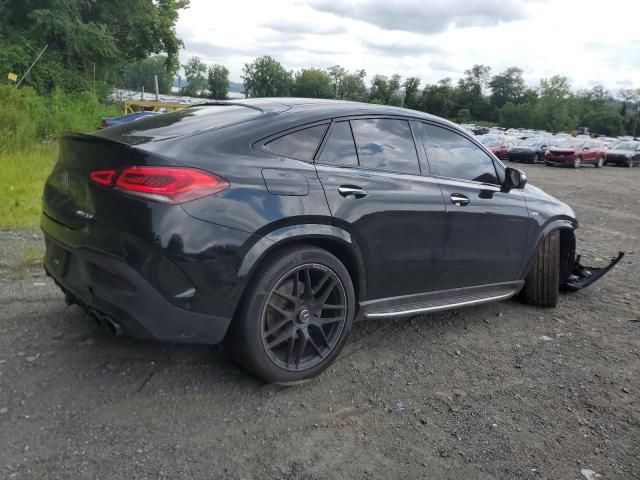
(107, 288)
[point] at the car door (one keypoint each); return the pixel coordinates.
(371, 174)
(485, 227)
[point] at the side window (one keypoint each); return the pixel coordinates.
(340, 149)
(385, 144)
(454, 156)
(301, 144)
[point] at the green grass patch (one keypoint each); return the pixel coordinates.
(23, 175)
(33, 256)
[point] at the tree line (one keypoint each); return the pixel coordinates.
(479, 96)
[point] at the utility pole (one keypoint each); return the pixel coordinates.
(34, 62)
(155, 78)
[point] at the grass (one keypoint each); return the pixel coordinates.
(23, 175)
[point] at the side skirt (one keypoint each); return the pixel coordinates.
(417, 304)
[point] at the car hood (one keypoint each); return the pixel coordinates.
(621, 152)
(524, 149)
(563, 150)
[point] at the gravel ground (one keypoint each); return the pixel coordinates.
(497, 391)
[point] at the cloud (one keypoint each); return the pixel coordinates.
(426, 17)
(286, 25)
(401, 48)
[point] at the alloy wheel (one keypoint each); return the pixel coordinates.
(304, 317)
(600, 162)
(576, 163)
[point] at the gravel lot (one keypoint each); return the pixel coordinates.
(497, 391)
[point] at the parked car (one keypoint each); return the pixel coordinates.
(275, 223)
(131, 117)
(575, 153)
(533, 149)
(624, 153)
(498, 146)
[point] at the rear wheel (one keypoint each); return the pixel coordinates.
(542, 285)
(536, 158)
(630, 164)
(296, 317)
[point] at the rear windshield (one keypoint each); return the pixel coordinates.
(179, 123)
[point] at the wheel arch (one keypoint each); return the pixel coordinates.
(336, 241)
(567, 247)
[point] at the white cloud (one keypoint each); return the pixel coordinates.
(588, 42)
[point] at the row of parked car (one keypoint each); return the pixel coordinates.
(565, 150)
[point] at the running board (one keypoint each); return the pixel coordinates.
(457, 299)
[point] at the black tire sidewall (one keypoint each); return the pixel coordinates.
(248, 347)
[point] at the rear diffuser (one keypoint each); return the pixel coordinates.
(582, 276)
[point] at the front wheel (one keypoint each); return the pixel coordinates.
(296, 316)
(576, 163)
(600, 162)
(542, 285)
(630, 164)
(536, 158)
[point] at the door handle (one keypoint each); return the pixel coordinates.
(350, 191)
(460, 200)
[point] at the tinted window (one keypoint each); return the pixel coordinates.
(385, 144)
(454, 156)
(340, 149)
(301, 144)
(182, 122)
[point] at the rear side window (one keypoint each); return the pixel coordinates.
(340, 149)
(301, 144)
(385, 144)
(454, 156)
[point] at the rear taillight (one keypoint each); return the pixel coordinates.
(161, 184)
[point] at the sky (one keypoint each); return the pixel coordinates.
(591, 42)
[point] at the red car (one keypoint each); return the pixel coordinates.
(499, 147)
(575, 153)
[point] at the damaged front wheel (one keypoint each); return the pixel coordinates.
(542, 285)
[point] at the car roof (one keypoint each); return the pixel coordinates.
(330, 107)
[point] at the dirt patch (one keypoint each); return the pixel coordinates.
(498, 391)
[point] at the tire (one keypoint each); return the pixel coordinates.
(577, 162)
(278, 300)
(630, 165)
(542, 285)
(600, 162)
(536, 159)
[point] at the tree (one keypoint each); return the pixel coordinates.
(516, 116)
(604, 120)
(313, 83)
(508, 86)
(195, 72)
(83, 34)
(383, 89)
(470, 92)
(412, 93)
(552, 109)
(439, 98)
(218, 80)
(352, 86)
(266, 77)
(140, 75)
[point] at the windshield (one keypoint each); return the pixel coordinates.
(491, 142)
(571, 144)
(530, 142)
(626, 146)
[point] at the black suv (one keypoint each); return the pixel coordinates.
(275, 223)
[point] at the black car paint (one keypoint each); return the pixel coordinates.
(404, 237)
(625, 156)
(527, 153)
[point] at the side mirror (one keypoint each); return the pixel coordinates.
(514, 178)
